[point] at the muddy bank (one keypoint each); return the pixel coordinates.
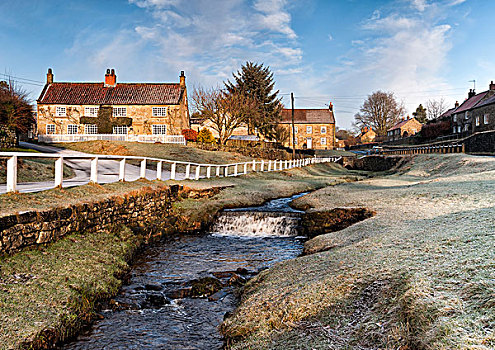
(373, 163)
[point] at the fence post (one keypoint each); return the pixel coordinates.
(59, 172)
(122, 170)
(262, 166)
(463, 148)
(12, 174)
(286, 164)
(226, 173)
(269, 165)
(159, 171)
(280, 166)
(94, 170)
(254, 165)
(188, 171)
(198, 172)
(245, 168)
(172, 171)
(218, 171)
(208, 172)
(142, 173)
(235, 169)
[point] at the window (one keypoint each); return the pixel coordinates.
(72, 129)
(466, 115)
(309, 130)
(119, 111)
(61, 112)
(459, 129)
(158, 129)
(91, 111)
(455, 118)
(295, 143)
(295, 129)
(323, 141)
(159, 111)
(466, 127)
(485, 119)
(50, 128)
(323, 130)
(453, 131)
(477, 121)
(91, 129)
(120, 130)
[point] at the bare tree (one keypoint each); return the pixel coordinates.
(225, 110)
(435, 108)
(380, 111)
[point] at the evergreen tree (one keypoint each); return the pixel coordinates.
(420, 114)
(255, 81)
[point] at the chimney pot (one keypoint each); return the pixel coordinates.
(182, 80)
(110, 78)
(492, 86)
(49, 76)
(108, 71)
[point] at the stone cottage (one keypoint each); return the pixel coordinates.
(109, 107)
(404, 128)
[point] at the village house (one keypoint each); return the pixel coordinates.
(108, 107)
(314, 128)
(367, 135)
(404, 128)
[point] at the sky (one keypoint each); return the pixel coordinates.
(323, 51)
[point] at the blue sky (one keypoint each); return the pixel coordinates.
(333, 50)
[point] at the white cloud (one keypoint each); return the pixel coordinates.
(330, 37)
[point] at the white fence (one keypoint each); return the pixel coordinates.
(191, 171)
(52, 138)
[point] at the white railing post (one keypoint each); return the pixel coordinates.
(269, 165)
(159, 170)
(59, 172)
(122, 169)
(254, 165)
(245, 168)
(208, 172)
(188, 171)
(172, 171)
(94, 170)
(262, 166)
(226, 172)
(198, 172)
(286, 164)
(235, 169)
(217, 173)
(280, 165)
(142, 173)
(12, 174)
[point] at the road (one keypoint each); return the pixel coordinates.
(108, 171)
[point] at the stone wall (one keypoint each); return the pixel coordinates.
(481, 143)
(147, 211)
(371, 163)
(8, 138)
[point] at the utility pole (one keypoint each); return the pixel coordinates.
(293, 128)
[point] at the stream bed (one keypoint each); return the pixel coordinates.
(157, 309)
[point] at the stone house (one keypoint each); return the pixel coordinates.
(474, 113)
(130, 108)
(367, 135)
(404, 128)
(314, 128)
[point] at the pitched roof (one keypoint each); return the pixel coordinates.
(308, 116)
(121, 94)
(447, 113)
(488, 101)
(471, 102)
(402, 123)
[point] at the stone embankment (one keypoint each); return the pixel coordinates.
(372, 163)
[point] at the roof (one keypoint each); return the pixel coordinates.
(121, 94)
(402, 123)
(488, 101)
(308, 116)
(471, 102)
(447, 113)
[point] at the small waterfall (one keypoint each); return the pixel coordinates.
(257, 224)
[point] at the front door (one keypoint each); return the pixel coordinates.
(309, 142)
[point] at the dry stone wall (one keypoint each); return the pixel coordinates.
(8, 138)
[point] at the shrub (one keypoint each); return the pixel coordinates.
(205, 136)
(190, 134)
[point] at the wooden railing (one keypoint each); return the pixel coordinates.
(450, 148)
(52, 138)
(191, 171)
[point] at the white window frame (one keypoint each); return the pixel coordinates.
(120, 130)
(91, 129)
(61, 111)
(309, 129)
(159, 129)
(455, 130)
(323, 130)
(159, 111)
(466, 116)
(119, 111)
(455, 118)
(91, 111)
(477, 121)
(72, 129)
(51, 126)
(485, 118)
(323, 141)
(459, 129)
(466, 127)
(296, 130)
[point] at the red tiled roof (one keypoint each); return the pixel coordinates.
(447, 113)
(401, 124)
(308, 116)
(471, 102)
(121, 94)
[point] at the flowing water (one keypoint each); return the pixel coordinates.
(157, 311)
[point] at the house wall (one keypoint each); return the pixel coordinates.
(480, 112)
(302, 135)
(142, 119)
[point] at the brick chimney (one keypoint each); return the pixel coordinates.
(456, 104)
(330, 106)
(110, 78)
(49, 76)
(492, 86)
(471, 93)
(182, 80)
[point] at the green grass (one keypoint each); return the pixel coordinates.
(418, 275)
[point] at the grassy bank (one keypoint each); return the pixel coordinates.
(418, 275)
(47, 293)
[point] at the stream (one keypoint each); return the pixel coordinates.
(158, 308)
